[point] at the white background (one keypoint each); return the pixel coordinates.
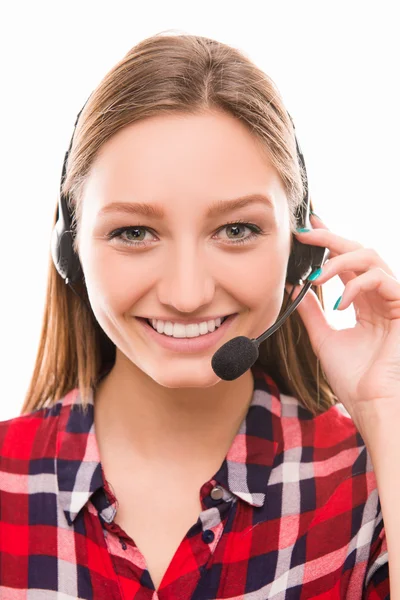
(336, 65)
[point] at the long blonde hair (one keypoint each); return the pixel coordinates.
(164, 74)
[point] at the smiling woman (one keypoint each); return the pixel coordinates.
(188, 261)
(135, 471)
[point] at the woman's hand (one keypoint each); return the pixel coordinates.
(362, 364)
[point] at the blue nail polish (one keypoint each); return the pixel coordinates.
(302, 229)
(337, 303)
(314, 275)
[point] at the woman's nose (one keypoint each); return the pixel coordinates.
(187, 283)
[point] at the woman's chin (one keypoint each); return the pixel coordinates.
(199, 374)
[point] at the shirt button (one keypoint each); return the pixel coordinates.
(208, 536)
(217, 493)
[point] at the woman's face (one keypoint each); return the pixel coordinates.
(187, 264)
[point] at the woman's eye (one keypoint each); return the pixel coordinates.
(235, 229)
(135, 231)
(237, 226)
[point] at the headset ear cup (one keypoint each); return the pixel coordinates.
(70, 258)
(303, 260)
(65, 259)
(299, 263)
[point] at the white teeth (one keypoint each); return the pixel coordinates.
(179, 330)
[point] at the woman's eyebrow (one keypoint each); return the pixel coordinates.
(216, 209)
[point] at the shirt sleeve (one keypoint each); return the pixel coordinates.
(376, 584)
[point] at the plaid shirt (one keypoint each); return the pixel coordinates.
(292, 513)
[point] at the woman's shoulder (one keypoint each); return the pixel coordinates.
(329, 440)
(330, 451)
(329, 427)
(26, 437)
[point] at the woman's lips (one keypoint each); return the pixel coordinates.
(188, 345)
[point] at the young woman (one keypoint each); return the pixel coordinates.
(134, 471)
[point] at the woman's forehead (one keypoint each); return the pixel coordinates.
(170, 166)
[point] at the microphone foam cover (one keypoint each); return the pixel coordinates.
(234, 358)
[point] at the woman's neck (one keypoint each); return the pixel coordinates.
(138, 416)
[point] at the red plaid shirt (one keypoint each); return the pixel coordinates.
(292, 513)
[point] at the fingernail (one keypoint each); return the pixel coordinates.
(315, 214)
(337, 303)
(314, 275)
(302, 229)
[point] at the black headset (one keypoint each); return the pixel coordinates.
(303, 260)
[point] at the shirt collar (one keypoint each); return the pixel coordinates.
(244, 472)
